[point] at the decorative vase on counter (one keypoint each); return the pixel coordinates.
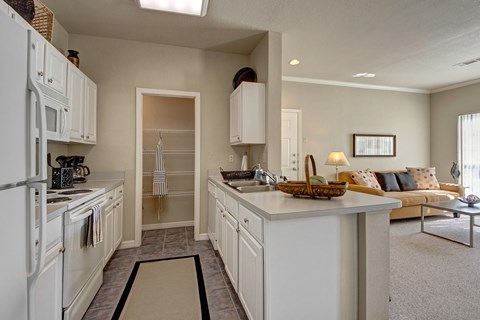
(73, 57)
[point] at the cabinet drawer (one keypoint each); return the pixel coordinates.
(118, 191)
(231, 205)
(220, 195)
(110, 196)
(250, 221)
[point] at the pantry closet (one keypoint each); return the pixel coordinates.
(171, 122)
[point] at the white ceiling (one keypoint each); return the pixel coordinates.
(406, 43)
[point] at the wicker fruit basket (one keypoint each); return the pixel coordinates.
(306, 189)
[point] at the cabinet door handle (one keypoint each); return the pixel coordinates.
(40, 73)
(223, 215)
(245, 220)
(88, 137)
(238, 230)
(62, 249)
(111, 198)
(50, 80)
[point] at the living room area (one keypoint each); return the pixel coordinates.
(431, 278)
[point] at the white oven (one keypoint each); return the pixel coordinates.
(58, 117)
(82, 264)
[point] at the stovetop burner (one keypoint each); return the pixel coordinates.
(75, 191)
(58, 199)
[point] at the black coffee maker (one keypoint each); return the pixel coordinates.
(80, 171)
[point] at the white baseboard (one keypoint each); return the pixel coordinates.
(203, 236)
(127, 244)
(167, 225)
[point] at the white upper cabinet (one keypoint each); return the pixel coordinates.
(82, 93)
(56, 65)
(247, 114)
(90, 111)
(76, 94)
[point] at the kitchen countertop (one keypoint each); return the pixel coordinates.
(277, 205)
(106, 180)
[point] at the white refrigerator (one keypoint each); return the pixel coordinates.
(21, 173)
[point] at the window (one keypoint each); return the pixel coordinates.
(469, 152)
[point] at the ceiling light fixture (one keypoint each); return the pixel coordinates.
(364, 75)
(466, 63)
(294, 62)
(191, 7)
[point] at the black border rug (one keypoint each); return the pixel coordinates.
(200, 282)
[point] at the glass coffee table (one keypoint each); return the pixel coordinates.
(454, 206)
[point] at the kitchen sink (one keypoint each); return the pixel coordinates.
(258, 188)
(244, 183)
(248, 186)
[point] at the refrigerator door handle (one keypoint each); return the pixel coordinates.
(37, 257)
(42, 126)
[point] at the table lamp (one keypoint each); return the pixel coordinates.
(337, 158)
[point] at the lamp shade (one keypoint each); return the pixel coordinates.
(337, 158)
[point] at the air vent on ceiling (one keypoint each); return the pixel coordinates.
(466, 63)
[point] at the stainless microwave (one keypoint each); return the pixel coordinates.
(58, 119)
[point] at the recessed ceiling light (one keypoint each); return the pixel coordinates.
(364, 75)
(294, 62)
(191, 7)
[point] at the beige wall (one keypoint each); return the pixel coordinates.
(118, 67)
(266, 60)
(331, 114)
(60, 38)
(445, 107)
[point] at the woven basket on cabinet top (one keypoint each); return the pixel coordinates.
(43, 20)
(306, 189)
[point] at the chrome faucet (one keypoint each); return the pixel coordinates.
(270, 178)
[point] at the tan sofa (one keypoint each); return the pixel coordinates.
(411, 200)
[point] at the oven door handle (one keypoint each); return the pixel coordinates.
(86, 214)
(81, 217)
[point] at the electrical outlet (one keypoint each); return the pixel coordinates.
(230, 158)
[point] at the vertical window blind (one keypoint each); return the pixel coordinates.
(469, 152)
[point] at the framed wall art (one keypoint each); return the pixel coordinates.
(374, 145)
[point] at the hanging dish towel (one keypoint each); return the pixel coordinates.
(159, 174)
(94, 228)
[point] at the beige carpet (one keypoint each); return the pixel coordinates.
(163, 290)
(433, 278)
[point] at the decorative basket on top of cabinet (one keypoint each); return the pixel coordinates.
(43, 20)
(306, 189)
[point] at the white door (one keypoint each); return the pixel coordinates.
(118, 222)
(90, 129)
(76, 94)
(220, 227)
(290, 160)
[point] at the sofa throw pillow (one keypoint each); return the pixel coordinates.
(405, 181)
(387, 181)
(424, 178)
(365, 178)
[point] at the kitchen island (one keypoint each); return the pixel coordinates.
(297, 258)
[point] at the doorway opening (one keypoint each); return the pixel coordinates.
(167, 133)
(291, 146)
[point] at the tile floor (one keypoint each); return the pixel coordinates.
(223, 302)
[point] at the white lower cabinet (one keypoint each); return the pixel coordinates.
(113, 222)
(238, 231)
(48, 287)
(250, 275)
(108, 233)
(231, 249)
(118, 222)
(220, 227)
